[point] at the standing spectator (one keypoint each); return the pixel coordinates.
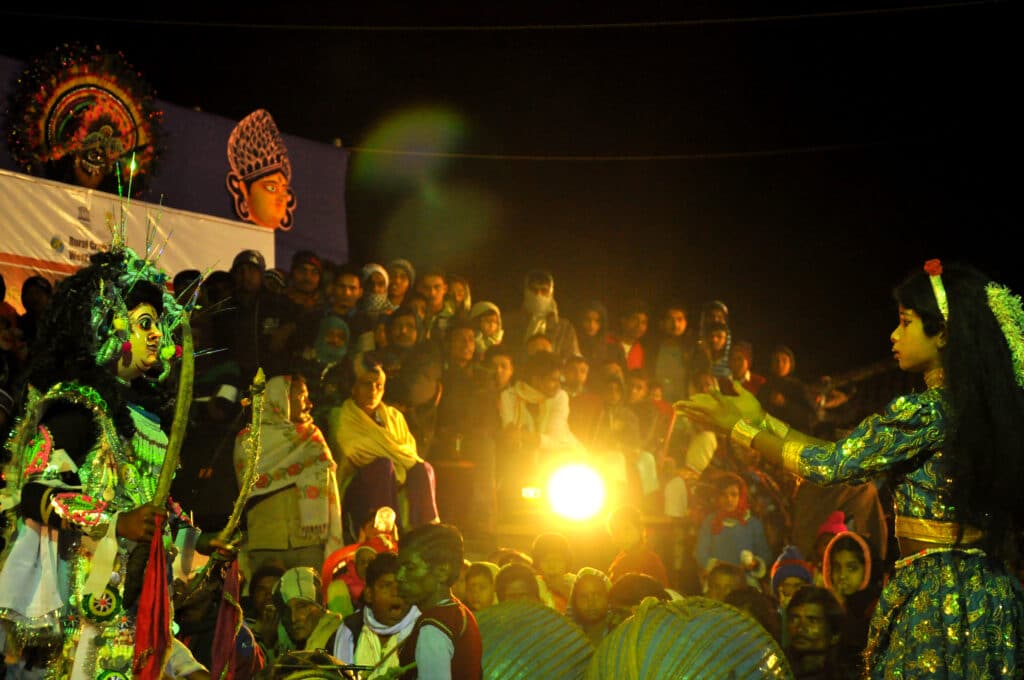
(36, 294)
(486, 318)
(594, 337)
(539, 315)
(784, 395)
(439, 310)
(401, 278)
(632, 328)
(459, 295)
(741, 357)
(445, 642)
(375, 301)
(255, 325)
(672, 354)
(294, 517)
(7, 310)
(731, 533)
(716, 312)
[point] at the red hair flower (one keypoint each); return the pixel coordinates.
(933, 267)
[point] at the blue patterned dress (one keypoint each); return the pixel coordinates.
(947, 612)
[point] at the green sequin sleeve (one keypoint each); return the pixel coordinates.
(909, 426)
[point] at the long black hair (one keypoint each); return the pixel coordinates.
(985, 427)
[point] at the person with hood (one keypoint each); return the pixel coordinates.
(304, 621)
(486, 319)
(375, 300)
(401, 278)
(594, 337)
(539, 315)
(846, 571)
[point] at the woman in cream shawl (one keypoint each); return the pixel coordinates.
(294, 514)
(378, 455)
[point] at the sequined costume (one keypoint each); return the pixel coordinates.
(948, 611)
(91, 619)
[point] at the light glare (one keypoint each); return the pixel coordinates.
(576, 492)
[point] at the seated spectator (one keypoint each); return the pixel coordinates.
(539, 343)
(814, 620)
(371, 634)
(534, 420)
(722, 579)
(629, 591)
(260, 615)
(379, 454)
(552, 557)
(516, 581)
(759, 606)
(459, 295)
(588, 603)
(480, 592)
(501, 365)
(305, 622)
(790, 572)
(632, 328)
(628, 533)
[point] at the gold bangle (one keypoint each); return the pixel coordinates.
(775, 426)
(743, 433)
(791, 457)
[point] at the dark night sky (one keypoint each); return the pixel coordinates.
(898, 126)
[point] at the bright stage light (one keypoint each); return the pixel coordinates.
(576, 491)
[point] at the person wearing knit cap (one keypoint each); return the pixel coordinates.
(486, 319)
(789, 572)
(402, 277)
(375, 299)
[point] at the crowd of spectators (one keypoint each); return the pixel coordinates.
(384, 381)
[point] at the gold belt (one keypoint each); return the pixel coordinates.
(934, 531)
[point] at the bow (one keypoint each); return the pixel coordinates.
(257, 395)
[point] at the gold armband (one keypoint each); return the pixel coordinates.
(791, 456)
(774, 426)
(743, 433)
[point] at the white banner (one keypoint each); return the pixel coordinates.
(51, 229)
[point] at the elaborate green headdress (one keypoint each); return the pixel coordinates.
(120, 272)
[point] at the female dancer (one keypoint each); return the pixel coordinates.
(951, 609)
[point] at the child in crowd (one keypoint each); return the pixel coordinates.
(500, 363)
(516, 581)
(445, 641)
(480, 585)
(790, 572)
(722, 579)
(628, 533)
(459, 587)
(552, 558)
(731, 533)
(846, 571)
(574, 375)
(371, 635)
(829, 529)
(486, 319)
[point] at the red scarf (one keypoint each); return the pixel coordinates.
(153, 627)
(741, 514)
